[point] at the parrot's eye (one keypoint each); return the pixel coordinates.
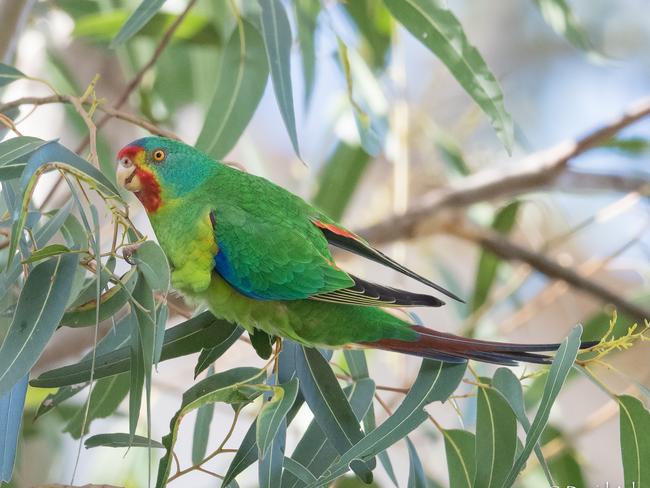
(158, 155)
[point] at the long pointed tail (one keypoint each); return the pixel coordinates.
(451, 348)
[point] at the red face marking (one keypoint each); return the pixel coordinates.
(149, 195)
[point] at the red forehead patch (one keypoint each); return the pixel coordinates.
(130, 151)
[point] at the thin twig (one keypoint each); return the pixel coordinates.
(508, 250)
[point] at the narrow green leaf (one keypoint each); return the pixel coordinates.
(329, 405)
(440, 31)
(460, 447)
(298, 470)
(153, 264)
(120, 440)
(11, 412)
(138, 19)
(270, 466)
(307, 19)
(558, 15)
(202, 428)
(276, 32)
(488, 265)
(228, 335)
(47, 252)
(137, 375)
(110, 302)
(273, 414)
(159, 334)
(417, 478)
(195, 29)
(562, 364)
(14, 154)
(496, 439)
(9, 74)
(40, 160)
(635, 442)
(183, 339)
(107, 394)
(262, 343)
(314, 451)
(39, 310)
(243, 73)
(118, 337)
(505, 381)
(435, 382)
(229, 387)
(339, 178)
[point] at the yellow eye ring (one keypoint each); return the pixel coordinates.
(158, 155)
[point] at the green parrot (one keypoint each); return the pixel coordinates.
(259, 256)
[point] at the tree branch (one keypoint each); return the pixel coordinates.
(537, 171)
(506, 249)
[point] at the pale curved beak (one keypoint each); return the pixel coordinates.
(126, 175)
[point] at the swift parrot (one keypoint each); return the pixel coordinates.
(259, 256)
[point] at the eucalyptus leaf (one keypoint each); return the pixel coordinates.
(441, 32)
(635, 442)
(327, 401)
(417, 478)
(153, 264)
(183, 339)
(435, 382)
(39, 310)
(202, 428)
(229, 387)
(273, 414)
(11, 413)
(242, 76)
(496, 439)
(138, 19)
(276, 32)
(460, 448)
(120, 440)
(307, 19)
(9, 74)
(560, 368)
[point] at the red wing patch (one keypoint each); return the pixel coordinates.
(336, 230)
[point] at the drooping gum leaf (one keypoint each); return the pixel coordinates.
(11, 413)
(635, 441)
(496, 439)
(202, 428)
(276, 32)
(142, 14)
(417, 478)
(229, 387)
(507, 383)
(38, 313)
(153, 264)
(435, 382)
(488, 265)
(327, 401)
(440, 31)
(562, 364)
(461, 457)
(120, 440)
(183, 339)
(558, 14)
(9, 74)
(243, 74)
(273, 413)
(306, 20)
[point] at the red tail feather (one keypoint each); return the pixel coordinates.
(451, 348)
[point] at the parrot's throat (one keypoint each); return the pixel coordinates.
(149, 195)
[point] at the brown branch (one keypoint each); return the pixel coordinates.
(505, 249)
(537, 171)
(118, 114)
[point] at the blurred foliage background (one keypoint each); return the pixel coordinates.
(499, 147)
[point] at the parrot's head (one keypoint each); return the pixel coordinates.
(156, 169)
